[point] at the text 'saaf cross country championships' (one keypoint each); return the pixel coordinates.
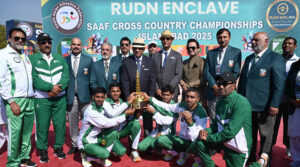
(96, 21)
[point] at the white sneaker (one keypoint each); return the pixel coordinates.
(84, 161)
(135, 156)
(197, 162)
(263, 160)
(106, 163)
(168, 157)
(182, 158)
(288, 153)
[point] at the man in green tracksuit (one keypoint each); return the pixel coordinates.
(192, 118)
(17, 92)
(231, 129)
(165, 121)
(50, 78)
(130, 128)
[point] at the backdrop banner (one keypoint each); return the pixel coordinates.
(95, 21)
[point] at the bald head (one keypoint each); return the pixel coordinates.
(76, 46)
(260, 42)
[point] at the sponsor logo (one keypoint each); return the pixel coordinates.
(27, 28)
(67, 17)
(282, 15)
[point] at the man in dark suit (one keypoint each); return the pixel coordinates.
(106, 70)
(168, 65)
(225, 58)
(262, 82)
(147, 73)
(125, 45)
(78, 91)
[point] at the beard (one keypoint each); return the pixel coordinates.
(16, 46)
(257, 48)
(105, 57)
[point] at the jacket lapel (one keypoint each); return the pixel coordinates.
(260, 61)
(68, 60)
(81, 64)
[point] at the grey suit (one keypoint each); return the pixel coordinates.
(171, 73)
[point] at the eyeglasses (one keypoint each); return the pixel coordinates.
(44, 42)
(192, 47)
(166, 38)
(18, 38)
(124, 44)
(137, 48)
(224, 84)
(152, 46)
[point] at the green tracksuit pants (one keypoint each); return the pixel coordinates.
(20, 130)
(147, 143)
(48, 109)
(232, 158)
(172, 142)
(132, 129)
(97, 150)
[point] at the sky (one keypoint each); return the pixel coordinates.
(28, 10)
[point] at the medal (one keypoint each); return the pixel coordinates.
(103, 142)
(157, 135)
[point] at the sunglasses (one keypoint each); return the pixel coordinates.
(192, 47)
(224, 84)
(124, 44)
(44, 42)
(18, 38)
(152, 46)
(166, 38)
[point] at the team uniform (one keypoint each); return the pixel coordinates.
(48, 72)
(165, 124)
(3, 124)
(131, 127)
(16, 85)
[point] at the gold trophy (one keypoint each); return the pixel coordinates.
(138, 103)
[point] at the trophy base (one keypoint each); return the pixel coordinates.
(139, 105)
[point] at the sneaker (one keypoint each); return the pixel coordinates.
(263, 160)
(182, 158)
(288, 153)
(44, 156)
(27, 162)
(59, 153)
(86, 163)
(135, 156)
(168, 157)
(106, 163)
(197, 162)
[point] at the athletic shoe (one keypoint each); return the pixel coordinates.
(264, 159)
(27, 163)
(106, 163)
(59, 153)
(197, 162)
(168, 157)
(288, 153)
(135, 156)
(182, 158)
(44, 156)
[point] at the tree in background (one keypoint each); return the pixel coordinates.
(3, 41)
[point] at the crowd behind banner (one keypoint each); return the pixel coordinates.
(219, 104)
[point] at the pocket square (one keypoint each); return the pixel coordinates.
(173, 57)
(146, 69)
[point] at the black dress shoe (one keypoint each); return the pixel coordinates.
(72, 150)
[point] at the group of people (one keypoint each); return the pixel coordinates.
(222, 106)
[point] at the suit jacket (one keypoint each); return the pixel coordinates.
(147, 76)
(82, 79)
(263, 85)
(171, 73)
(98, 77)
(291, 80)
(231, 63)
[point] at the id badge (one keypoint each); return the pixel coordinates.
(218, 69)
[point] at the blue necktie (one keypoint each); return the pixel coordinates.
(165, 60)
(139, 66)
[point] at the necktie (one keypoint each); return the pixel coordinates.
(106, 67)
(220, 56)
(256, 59)
(165, 59)
(75, 69)
(139, 66)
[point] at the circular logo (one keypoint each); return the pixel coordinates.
(27, 28)
(67, 17)
(17, 59)
(282, 15)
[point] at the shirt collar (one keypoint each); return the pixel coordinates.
(224, 49)
(168, 51)
(108, 61)
(46, 57)
(76, 56)
(141, 58)
(125, 55)
(261, 53)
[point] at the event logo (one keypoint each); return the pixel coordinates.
(67, 17)
(282, 15)
(247, 42)
(94, 44)
(27, 28)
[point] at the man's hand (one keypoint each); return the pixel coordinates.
(203, 135)
(187, 116)
(183, 85)
(131, 97)
(146, 97)
(52, 94)
(15, 108)
(158, 92)
(273, 111)
(129, 111)
(149, 109)
(216, 89)
(56, 89)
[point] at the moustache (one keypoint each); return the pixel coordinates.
(76, 48)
